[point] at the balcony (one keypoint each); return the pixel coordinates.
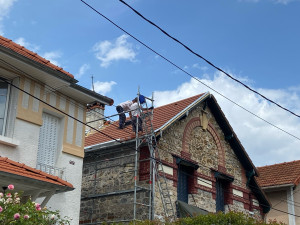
(55, 171)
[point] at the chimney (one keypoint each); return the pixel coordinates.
(95, 113)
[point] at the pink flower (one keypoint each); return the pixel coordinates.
(8, 195)
(1, 194)
(26, 217)
(38, 206)
(17, 216)
(11, 187)
(1, 209)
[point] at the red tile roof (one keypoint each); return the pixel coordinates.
(31, 55)
(279, 174)
(161, 115)
(12, 167)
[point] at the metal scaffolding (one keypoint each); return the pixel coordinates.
(143, 190)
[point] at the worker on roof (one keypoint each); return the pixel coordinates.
(121, 109)
(135, 111)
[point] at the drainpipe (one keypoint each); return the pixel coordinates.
(291, 206)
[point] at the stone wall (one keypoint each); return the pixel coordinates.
(186, 138)
(108, 189)
(208, 148)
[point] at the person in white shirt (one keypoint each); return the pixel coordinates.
(135, 112)
(124, 106)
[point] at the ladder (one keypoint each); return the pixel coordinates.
(156, 167)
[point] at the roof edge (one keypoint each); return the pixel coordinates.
(102, 98)
(38, 65)
(277, 186)
(201, 98)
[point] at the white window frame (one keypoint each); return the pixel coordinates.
(6, 109)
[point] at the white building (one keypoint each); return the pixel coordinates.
(36, 134)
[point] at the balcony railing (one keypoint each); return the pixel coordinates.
(55, 171)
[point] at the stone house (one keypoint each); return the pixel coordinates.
(203, 160)
(41, 147)
(280, 182)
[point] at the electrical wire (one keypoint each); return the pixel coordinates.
(74, 104)
(207, 61)
(98, 130)
(52, 90)
(189, 74)
(55, 90)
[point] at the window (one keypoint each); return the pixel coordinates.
(222, 190)
(50, 143)
(4, 95)
(183, 184)
(48, 140)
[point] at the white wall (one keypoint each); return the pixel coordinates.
(27, 134)
(68, 203)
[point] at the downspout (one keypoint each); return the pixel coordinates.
(291, 206)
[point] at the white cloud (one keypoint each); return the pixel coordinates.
(107, 51)
(21, 41)
(197, 66)
(53, 56)
(82, 70)
(103, 87)
(5, 7)
(264, 143)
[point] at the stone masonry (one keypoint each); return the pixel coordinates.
(108, 182)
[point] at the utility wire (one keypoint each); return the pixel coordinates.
(189, 74)
(98, 130)
(50, 89)
(91, 126)
(207, 61)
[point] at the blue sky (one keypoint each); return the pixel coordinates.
(257, 41)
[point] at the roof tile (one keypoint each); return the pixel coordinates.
(279, 174)
(161, 115)
(7, 43)
(10, 166)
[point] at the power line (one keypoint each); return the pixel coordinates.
(50, 89)
(189, 74)
(207, 61)
(100, 131)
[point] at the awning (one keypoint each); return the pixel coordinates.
(186, 210)
(30, 181)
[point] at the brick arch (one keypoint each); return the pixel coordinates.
(195, 122)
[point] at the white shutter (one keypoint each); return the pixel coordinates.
(48, 140)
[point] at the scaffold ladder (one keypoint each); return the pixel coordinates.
(156, 167)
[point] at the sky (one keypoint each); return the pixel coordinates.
(256, 41)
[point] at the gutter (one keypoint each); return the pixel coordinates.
(166, 125)
(106, 100)
(70, 82)
(37, 65)
(108, 144)
(277, 186)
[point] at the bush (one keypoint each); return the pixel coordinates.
(12, 211)
(230, 218)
